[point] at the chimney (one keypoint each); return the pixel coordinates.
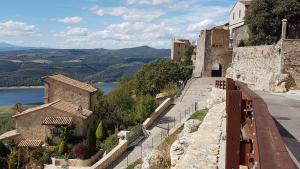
(284, 26)
(80, 108)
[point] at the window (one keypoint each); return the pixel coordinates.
(55, 131)
(240, 13)
(233, 16)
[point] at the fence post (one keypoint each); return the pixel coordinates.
(233, 128)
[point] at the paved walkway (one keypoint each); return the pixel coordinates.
(285, 108)
(197, 90)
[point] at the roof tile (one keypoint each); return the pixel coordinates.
(72, 82)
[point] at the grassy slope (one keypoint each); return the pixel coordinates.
(6, 121)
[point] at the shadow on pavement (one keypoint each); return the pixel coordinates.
(290, 141)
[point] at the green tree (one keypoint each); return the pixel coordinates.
(264, 18)
(62, 147)
(100, 131)
(156, 75)
(91, 140)
(144, 106)
(12, 159)
(187, 59)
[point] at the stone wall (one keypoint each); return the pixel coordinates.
(291, 59)
(270, 67)
(198, 61)
(158, 111)
(239, 34)
(30, 125)
(76, 162)
(58, 90)
(255, 65)
(111, 156)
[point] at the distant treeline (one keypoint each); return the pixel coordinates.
(25, 68)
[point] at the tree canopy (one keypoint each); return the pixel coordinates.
(156, 75)
(264, 18)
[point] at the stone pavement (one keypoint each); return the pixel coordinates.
(197, 90)
(285, 109)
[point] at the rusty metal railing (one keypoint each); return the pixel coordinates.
(221, 84)
(252, 138)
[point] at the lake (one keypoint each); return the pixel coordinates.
(35, 95)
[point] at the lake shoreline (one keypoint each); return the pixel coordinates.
(37, 87)
(21, 87)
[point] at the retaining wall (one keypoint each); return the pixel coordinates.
(113, 155)
(158, 111)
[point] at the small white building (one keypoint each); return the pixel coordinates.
(237, 15)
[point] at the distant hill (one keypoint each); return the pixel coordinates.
(26, 67)
(9, 47)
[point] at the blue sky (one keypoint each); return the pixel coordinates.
(107, 23)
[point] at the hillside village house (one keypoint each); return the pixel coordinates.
(67, 102)
(238, 29)
(179, 47)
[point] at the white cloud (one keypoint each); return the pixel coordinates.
(74, 32)
(204, 24)
(148, 2)
(74, 19)
(96, 10)
(127, 13)
(14, 28)
(126, 34)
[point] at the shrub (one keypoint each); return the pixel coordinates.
(144, 107)
(99, 131)
(4, 151)
(3, 163)
(81, 151)
(91, 140)
(62, 147)
(110, 142)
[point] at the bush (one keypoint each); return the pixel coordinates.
(109, 143)
(81, 151)
(62, 147)
(144, 107)
(3, 163)
(100, 131)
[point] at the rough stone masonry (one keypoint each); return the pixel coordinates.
(203, 148)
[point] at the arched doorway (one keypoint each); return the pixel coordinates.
(216, 70)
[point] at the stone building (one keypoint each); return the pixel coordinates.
(67, 102)
(213, 55)
(179, 47)
(238, 29)
(65, 88)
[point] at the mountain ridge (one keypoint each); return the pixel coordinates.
(25, 67)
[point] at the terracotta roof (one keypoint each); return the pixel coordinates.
(73, 109)
(72, 82)
(35, 109)
(61, 106)
(30, 143)
(9, 134)
(57, 121)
